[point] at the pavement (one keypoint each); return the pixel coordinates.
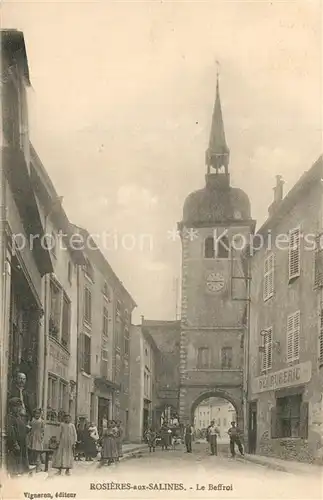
(143, 475)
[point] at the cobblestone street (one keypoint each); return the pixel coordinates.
(144, 477)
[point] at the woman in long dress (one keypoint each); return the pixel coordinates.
(63, 458)
(36, 439)
(109, 452)
(119, 436)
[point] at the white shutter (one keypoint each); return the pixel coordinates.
(268, 290)
(294, 253)
(267, 349)
(293, 336)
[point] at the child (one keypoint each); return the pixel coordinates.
(36, 439)
(63, 458)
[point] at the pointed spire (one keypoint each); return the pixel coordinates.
(217, 154)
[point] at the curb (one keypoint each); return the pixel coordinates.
(263, 463)
(289, 467)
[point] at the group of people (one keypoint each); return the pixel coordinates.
(212, 434)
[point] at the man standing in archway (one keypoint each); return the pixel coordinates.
(212, 435)
(234, 434)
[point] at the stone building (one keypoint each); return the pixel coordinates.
(166, 335)
(286, 334)
(24, 260)
(219, 410)
(104, 339)
(143, 383)
(215, 219)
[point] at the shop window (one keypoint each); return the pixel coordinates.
(226, 358)
(289, 419)
(268, 290)
(203, 357)
(209, 250)
(294, 253)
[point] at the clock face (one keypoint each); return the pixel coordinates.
(215, 282)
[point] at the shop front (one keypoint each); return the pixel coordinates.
(282, 407)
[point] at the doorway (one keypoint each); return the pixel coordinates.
(252, 428)
(103, 413)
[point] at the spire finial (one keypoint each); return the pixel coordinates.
(217, 154)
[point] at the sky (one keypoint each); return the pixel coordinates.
(121, 105)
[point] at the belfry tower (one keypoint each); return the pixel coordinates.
(216, 222)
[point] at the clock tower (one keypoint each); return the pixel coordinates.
(215, 227)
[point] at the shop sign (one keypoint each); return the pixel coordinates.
(294, 375)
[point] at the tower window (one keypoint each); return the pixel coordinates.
(209, 251)
(203, 358)
(223, 248)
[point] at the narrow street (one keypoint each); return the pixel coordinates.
(144, 477)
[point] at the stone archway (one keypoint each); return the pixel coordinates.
(218, 393)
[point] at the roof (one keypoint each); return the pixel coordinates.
(13, 46)
(217, 154)
(150, 339)
(306, 181)
(153, 322)
(102, 262)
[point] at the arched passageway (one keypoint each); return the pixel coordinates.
(220, 395)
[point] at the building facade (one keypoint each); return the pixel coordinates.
(143, 383)
(219, 410)
(213, 320)
(166, 335)
(24, 260)
(104, 340)
(286, 339)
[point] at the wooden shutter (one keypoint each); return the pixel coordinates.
(296, 335)
(294, 253)
(318, 263)
(273, 423)
(304, 420)
(290, 331)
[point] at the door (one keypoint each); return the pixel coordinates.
(252, 428)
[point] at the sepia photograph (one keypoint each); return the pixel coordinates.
(161, 249)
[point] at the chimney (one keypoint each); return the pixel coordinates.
(278, 195)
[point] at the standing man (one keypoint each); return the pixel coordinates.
(17, 432)
(19, 391)
(234, 435)
(188, 438)
(212, 433)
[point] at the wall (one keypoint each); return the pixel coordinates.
(288, 298)
(136, 385)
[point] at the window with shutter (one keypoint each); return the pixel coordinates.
(321, 338)
(318, 263)
(294, 253)
(293, 336)
(268, 290)
(203, 357)
(267, 349)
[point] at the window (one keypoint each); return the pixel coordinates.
(87, 305)
(104, 357)
(226, 358)
(126, 341)
(117, 367)
(223, 248)
(224, 422)
(126, 316)
(294, 253)
(60, 314)
(105, 326)
(86, 353)
(209, 251)
(57, 398)
(118, 336)
(106, 292)
(88, 271)
(321, 339)
(118, 309)
(70, 272)
(267, 349)
(268, 290)
(203, 357)
(293, 336)
(289, 419)
(66, 323)
(318, 264)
